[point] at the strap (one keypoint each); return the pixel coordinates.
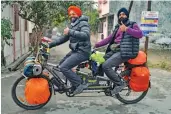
(114, 34)
(131, 23)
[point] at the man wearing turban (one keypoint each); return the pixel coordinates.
(79, 36)
(123, 45)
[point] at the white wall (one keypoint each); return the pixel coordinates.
(30, 26)
(105, 26)
(104, 8)
(17, 44)
(104, 11)
(19, 36)
(8, 50)
(26, 41)
(27, 44)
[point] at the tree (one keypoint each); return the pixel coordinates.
(47, 13)
(86, 7)
(37, 12)
(93, 20)
(6, 29)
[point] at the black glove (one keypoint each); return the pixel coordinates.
(52, 44)
(45, 45)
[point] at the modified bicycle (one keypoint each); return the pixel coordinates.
(96, 79)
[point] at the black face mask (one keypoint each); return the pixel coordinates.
(73, 19)
(123, 20)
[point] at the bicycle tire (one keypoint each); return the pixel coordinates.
(118, 96)
(20, 104)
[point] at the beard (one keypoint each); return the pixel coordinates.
(73, 19)
(123, 20)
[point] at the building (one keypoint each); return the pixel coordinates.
(106, 19)
(108, 14)
(20, 33)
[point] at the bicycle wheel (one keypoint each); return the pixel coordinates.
(19, 98)
(128, 96)
(69, 93)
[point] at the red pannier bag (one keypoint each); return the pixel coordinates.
(37, 91)
(139, 80)
(140, 59)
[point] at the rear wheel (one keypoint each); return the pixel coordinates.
(128, 96)
(19, 97)
(131, 97)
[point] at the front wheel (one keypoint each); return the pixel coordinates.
(19, 98)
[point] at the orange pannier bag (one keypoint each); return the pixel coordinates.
(140, 59)
(140, 77)
(37, 91)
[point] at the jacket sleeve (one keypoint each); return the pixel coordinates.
(135, 31)
(83, 34)
(59, 41)
(104, 41)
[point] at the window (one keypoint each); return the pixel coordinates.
(100, 1)
(16, 17)
(104, 1)
(100, 27)
(110, 23)
(25, 25)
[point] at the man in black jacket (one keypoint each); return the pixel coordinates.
(79, 36)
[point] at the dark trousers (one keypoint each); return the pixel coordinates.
(113, 60)
(71, 60)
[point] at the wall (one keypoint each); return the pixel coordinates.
(104, 7)
(8, 50)
(163, 7)
(20, 44)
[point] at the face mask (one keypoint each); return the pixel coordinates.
(73, 19)
(123, 20)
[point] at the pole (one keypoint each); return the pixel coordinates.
(147, 38)
(130, 6)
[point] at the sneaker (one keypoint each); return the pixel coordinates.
(55, 88)
(80, 88)
(119, 88)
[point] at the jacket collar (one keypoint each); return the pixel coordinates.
(75, 23)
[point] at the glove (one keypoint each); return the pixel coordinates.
(52, 44)
(45, 45)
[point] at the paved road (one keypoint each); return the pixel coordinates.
(157, 101)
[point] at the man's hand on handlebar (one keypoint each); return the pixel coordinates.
(45, 45)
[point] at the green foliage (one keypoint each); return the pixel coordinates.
(62, 15)
(6, 29)
(87, 9)
(93, 20)
(6, 35)
(163, 64)
(47, 13)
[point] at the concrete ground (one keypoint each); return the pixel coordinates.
(157, 101)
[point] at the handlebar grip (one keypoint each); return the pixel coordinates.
(44, 45)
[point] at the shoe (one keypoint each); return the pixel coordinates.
(118, 88)
(72, 89)
(55, 88)
(80, 88)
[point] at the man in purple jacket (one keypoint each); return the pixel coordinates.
(123, 45)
